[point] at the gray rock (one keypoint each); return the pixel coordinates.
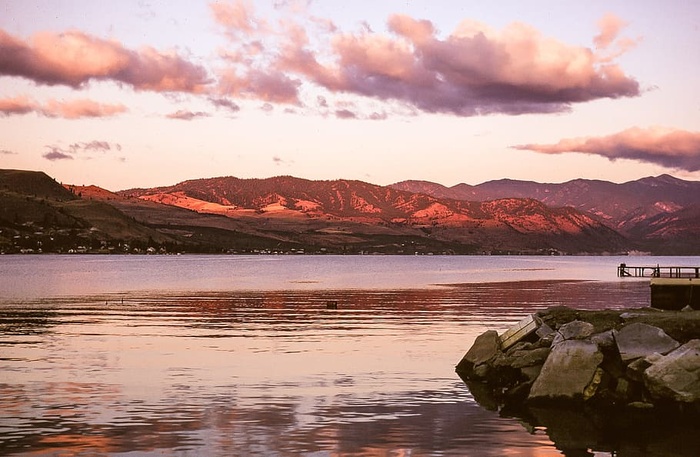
(524, 358)
(604, 340)
(519, 346)
(531, 358)
(544, 331)
(677, 375)
(639, 340)
(557, 338)
(576, 330)
(485, 347)
(568, 371)
(635, 370)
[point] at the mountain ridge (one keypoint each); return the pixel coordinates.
(288, 214)
(620, 206)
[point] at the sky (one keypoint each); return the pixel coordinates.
(151, 93)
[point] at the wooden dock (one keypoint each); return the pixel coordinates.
(657, 271)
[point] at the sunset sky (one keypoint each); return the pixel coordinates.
(148, 93)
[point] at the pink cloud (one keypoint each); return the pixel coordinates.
(345, 114)
(17, 105)
(237, 16)
(7, 152)
(74, 109)
(672, 148)
(610, 26)
(475, 70)
(74, 58)
(270, 86)
(54, 154)
(187, 115)
(95, 146)
(225, 103)
(87, 150)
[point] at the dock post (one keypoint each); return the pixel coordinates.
(622, 270)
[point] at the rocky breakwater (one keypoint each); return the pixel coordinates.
(641, 359)
(622, 382)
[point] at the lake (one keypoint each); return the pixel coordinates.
(241, 355)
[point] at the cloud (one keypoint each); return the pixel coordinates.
(475, 70)
(187, 115)
(73, 109)
(55, 153)
(672, 148)
(95, 146)
(85, 149)
(610, 26)
(238, 16)
(7, 152)
(77, 109)
(74, 58)
(17, 105)
(225, 103)
(345, 114)
(378, 116)
(274, 87)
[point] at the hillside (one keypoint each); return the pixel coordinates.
(404, 219)
(630, 208)
(37, 214)
(293, 215)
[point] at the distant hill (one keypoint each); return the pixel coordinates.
(292, 215)
(37, 214)
(506, 225)
(630, 208)
(33, 183)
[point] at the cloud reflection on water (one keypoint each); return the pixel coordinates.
(266, 372)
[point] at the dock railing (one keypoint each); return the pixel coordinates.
(657, 271)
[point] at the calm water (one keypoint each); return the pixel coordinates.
(225, 355)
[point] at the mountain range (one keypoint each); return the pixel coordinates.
(293, 215)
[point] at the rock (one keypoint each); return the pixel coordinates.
(604, 340)
(622, 388)
(676, 376)
(486, 347)
(530, 358)
(576, 330)
(639, 340)
(592, 386)
(617, 363)
(567, 372)
(519, 346)
(531, 373)
(544, 331)
(635, 370)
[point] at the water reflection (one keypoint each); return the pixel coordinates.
(266, 372)
(273, 425)
(586, 431)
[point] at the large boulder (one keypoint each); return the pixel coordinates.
(640, 340)
(676, 376)
(485, 347)
(568, 371)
